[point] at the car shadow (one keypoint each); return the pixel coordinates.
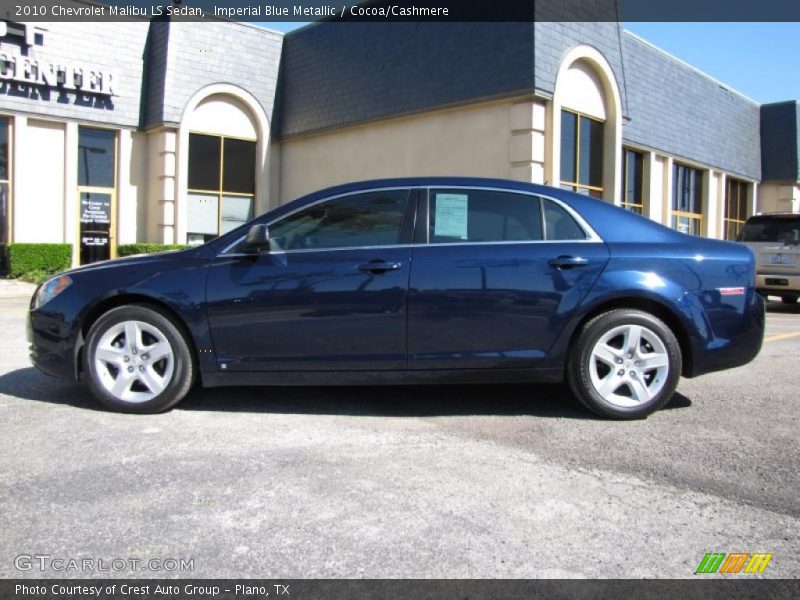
(538, 400)
(781, 308)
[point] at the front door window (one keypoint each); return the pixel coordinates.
(361, 220)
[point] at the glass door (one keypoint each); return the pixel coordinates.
(97, 176)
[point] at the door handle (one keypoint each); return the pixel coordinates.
(379, 266)
(567, 262)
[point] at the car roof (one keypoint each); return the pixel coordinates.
(611, 223)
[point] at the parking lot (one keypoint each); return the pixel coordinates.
(456, 481)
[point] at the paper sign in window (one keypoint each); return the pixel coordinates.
(451, 216)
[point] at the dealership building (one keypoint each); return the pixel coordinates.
(174, 132)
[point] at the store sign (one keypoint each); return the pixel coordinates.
(95, 209)
(95, 227)
(47, 73)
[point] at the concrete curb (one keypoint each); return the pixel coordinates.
(14, 288)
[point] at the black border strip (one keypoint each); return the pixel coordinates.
(406, 10)
(700, 587)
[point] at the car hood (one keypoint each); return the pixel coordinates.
(137, 259)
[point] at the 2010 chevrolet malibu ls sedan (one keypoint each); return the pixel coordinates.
(411, 281)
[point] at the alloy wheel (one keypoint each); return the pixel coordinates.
(629, 365)
(134, 361)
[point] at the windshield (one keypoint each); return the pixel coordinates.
(772, 228)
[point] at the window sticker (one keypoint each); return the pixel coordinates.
(451, 216)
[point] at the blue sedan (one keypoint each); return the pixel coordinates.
(409, 281)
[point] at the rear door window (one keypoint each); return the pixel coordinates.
(474, 216)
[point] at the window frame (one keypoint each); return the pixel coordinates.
(221, 193)
(574, 186)
(9, 180)
(742, 200)
(444, 189)
(93, 189)
(410, 189)
(697, 217)
(422, 221)
(634, 207)
(424, 205)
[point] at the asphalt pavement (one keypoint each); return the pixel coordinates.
(452, 481)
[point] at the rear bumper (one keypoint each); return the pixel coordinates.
(779, 284)
(738, 336)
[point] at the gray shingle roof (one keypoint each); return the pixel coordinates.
(334, 74)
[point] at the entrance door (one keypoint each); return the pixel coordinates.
(97, 176)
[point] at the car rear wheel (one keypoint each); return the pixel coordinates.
(136, 360)
(624, 364)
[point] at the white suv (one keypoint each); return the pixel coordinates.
(775, 240)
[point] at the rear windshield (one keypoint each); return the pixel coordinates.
(771, 228)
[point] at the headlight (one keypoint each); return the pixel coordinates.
(50, 289)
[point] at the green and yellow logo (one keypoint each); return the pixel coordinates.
(735, 562)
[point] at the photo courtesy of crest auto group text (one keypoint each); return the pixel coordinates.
(422, 298)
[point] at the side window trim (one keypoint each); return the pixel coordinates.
(423, 218)
(409, 189)
(591, 234)
(408, 226)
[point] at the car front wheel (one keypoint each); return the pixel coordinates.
(625, 364)
(136, 360)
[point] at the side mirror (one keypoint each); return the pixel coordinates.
(257, 239)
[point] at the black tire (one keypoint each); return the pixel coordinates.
(789, 299)
(182, 372)
(579, 363)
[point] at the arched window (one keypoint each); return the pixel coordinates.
(222, 168)
(587, 126)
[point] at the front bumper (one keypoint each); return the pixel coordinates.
(52, 347)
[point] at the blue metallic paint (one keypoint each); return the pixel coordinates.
(490, 312)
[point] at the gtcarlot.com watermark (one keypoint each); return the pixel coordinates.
(63, 564)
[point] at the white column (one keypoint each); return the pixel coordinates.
(722, 196)
(666, 215)
(162, 185)
(653, 191)
(71, 201)
(752, 199)
(126, 194)
(711, 205)
(527, 142)
(18, 180)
